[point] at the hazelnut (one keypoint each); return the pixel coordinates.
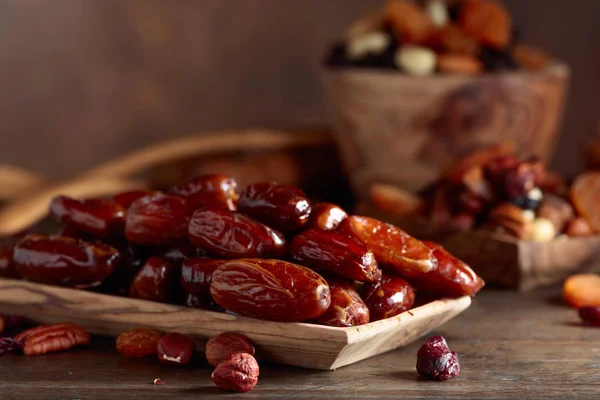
(542, 230)
(557, 210)
(238, 373)
(415, 60)
(437, 12)
(219, 347)
(578, 227)
(509, 219)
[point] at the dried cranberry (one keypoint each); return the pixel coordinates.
(8, 344)
(590, 315)
(435, 361)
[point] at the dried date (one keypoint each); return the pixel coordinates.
(209, 190)
(7, 266)
(285, 208)
(387, 297)
(155, 281)
(58, 260)
(325, 216)
(346, 308)
(230, 235)
(196, 275)
(126, 199)
(270, 289)
(336, 253)
(97, 217)
(392, 247)
(157, 219)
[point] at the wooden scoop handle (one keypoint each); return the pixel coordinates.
(15, 181)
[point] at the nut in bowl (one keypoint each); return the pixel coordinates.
(443, 87)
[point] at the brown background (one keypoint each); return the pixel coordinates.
(82, 81)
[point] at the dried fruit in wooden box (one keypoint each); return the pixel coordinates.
(530, 58)
(157, 219)
(97, 217)
(196, 275)
(209, 190)
(452, 39)
(509, 219)
(452, 277)
(282, 207)
(270, 289)
(459, 64)
(230, 235)
(487, 21)
(578, 227)
(585, 195)
(393, 248)
(346, 308)
(409, 21)
(155, 281)
(58, 260)
(387, 297)
(582, 290)
(335, 253)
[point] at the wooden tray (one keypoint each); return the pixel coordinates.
(299, 344)
(505, 261)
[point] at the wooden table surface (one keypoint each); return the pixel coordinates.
(511, 345)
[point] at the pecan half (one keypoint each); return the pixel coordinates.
(52, 338)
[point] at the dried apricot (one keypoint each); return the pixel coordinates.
(453, 39)
(459, 64)
(582, 290)
(487, 21)
(409, 22)
(584, 195)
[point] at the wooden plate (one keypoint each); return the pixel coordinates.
(299, 344)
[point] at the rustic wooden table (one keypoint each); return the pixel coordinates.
(511, 345)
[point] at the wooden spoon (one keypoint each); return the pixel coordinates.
(15, 181)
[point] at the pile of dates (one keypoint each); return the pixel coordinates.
(493, 189)
(444, 36)
(267, 252)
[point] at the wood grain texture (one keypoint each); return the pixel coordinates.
(511, 345)
(300, 344)
(397, 129)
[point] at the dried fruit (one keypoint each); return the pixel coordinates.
(346, 308)
(325, 216)
(459, 64)
(578, 227)
(435, 361)
(557, 210)
(270, 289)
(542, 230)
(496, 60)
(509, 219)
(193, 301)
(582, 290)
(530, 58)
(7, 266)
(126, 199)
(175, 349)
(98, 217)
(176, 253)
(369, 44)
(452, 39)
(52, 338)
(590, 315)
(408, 21)
(58, 260)
(394, 200)
(387, 297)
(230, 235)
(220, 347)
(584, 195)
(155, 280)
(239, 373)
(209, 190)
(452, 277)
(196, 275)
(392, 246)
(9, 345)
(282, 207)
(138, 342)
(157, 219)
(415, 60)
(437, 12)
(487, 21)
(336, 253)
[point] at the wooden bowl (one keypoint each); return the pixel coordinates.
(403, 130)
(299, 344)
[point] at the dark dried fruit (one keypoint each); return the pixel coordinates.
(9, 345)
(387, 297)
(283, 207)
(230, 235)
(270, 289)
(7, 266)
(590, 315)
(98, 217)
(452, 39)
(497, 60)
(487, 21)
(392, 247)
(126, 199)
(138, 342)
(557, 210)
(194, 301)
(157, 219)
(175, 349)
(155, 281)
(325, 216)
(176, 253)
(435, 361)
(346, 308)
(196, 275)
(63, 261)
(336, 253)
(239, 373)
(209, 190)
(219, 348)
(452, 277)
